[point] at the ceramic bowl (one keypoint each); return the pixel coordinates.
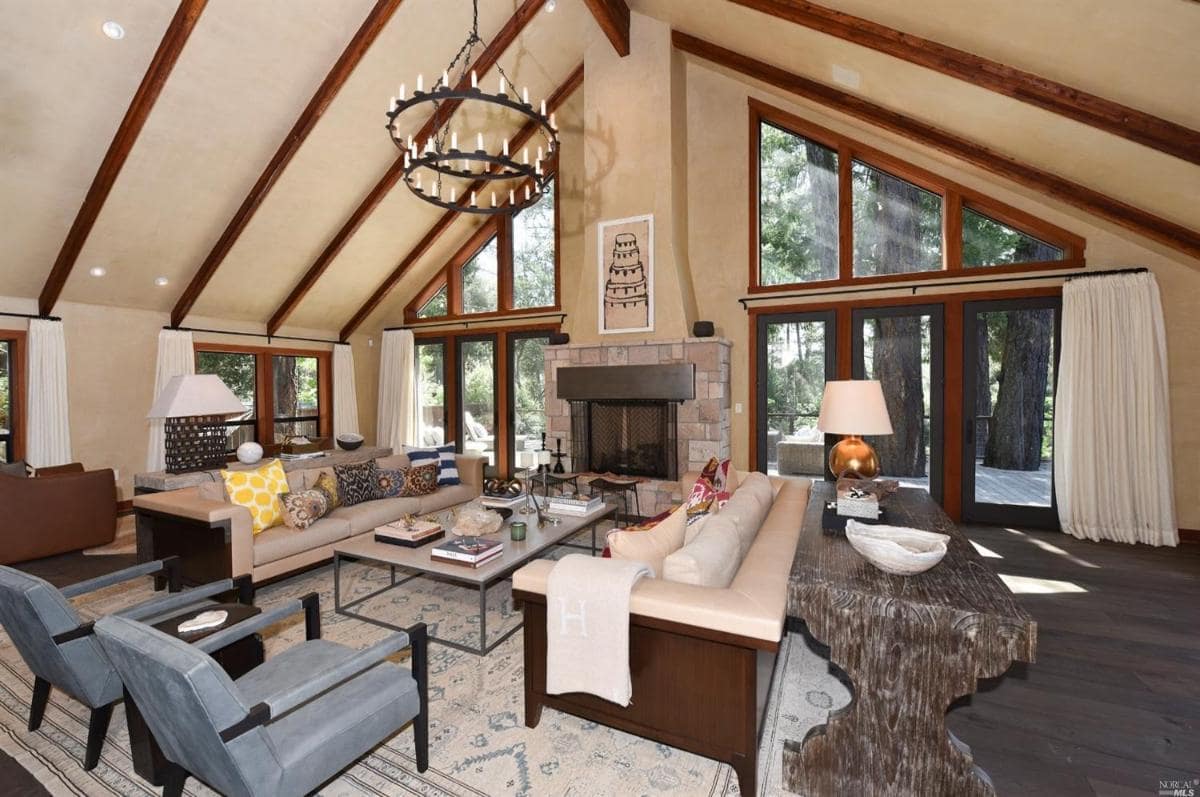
(895, 549)
(349, 442)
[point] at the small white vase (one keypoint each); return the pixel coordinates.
(249, 453)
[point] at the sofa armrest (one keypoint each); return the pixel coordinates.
(186, 503)
(470, 469)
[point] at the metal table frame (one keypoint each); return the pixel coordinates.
(501, 575)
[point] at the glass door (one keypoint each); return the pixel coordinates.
(1010, 355)
(431, 391)
(902, 347)
(796, 355)
(527, 393)
(477, 390)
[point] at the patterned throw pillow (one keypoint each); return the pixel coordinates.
(444, 456)
(328, 485)
(258, 490)
(390, 481)
(357, 483)
(419, 480)
(304, 508)
(704, 493)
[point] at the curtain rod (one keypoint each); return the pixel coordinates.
(252, 335)
(466, 324)
(32, 316)
(817, 293)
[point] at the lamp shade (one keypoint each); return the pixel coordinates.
(195, 394)
(854, 406)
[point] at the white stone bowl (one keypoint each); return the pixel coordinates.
(895, 549)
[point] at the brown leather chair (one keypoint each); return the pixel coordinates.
(57, 513)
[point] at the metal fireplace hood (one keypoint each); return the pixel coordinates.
(673, 382)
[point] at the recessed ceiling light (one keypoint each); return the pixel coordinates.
(551, 5)
(161, 281)
(97, 271)
(113, 30)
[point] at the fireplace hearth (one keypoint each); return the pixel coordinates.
(626, 438)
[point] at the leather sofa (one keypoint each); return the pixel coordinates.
(55, 512)
(708, 650)
(214, 538)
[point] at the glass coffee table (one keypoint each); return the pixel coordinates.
(417, 562)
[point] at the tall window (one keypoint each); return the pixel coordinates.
(296, 401)
(527, 390)
(477, 397)
(431, 391)
(534, 254)
(239, 373)
(480, 288)
(7, 406)
(831, 210)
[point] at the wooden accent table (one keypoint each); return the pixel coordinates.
(911, 645)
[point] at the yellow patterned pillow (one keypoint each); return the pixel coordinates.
(258, 490)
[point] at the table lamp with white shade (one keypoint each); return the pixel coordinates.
(853, 408)
(195, 407)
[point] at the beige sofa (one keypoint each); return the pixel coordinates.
(700, 657)
(215, 540)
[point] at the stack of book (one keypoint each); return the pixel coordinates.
(468, 551)
(573, 504)
(410, 535)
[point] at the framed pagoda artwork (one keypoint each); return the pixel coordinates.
(626, 274)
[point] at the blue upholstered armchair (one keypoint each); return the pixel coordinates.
(284, 728)
(59, 648)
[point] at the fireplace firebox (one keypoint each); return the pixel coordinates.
(627, 438)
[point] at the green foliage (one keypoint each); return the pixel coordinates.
(479, 287)
(436, 306)
(533, 254)
(987, 242)
(529, 374)
(479, 375)
(798, 224)
(236, 371)
(795, 374)
(897, 225)
(432, 358)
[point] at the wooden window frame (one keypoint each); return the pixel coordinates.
(501, 228)
(16, 387)
(264, 393)
(954, 198)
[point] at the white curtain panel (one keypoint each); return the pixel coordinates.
(48, 440)
(397, 422)
(345, 396)
(176, 357)
(1112, 436)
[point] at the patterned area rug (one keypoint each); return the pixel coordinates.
(479, 744)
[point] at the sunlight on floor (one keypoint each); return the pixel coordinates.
(1051, 548)
(1025, 585)
(986, 553)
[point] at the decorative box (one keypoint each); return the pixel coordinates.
(857, 504)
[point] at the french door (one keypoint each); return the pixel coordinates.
(476, 400)
(1010, 359)
(526, 393)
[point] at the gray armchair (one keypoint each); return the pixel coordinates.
(286, 727)
(58, 647)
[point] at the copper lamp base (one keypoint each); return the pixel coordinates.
(853, 456)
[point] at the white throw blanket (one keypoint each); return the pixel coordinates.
(587, 626)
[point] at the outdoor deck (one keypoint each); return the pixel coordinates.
(992, 485)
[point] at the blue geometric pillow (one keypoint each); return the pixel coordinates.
(443, 456)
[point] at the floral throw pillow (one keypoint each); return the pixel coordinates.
(390, 481)
(328, 485)
(704, 493)
(420, 480)
(303, 508)
(357, 483)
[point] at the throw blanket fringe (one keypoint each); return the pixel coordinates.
(587, 628)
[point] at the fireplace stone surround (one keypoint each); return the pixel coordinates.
(703, 424)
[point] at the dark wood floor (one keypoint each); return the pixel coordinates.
(1112, 704)
(1110, 707)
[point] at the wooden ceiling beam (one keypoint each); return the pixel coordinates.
(487, 59)
(1131, 218)
(1089, 109)
(553, 102)
(362, 40)
(613, 18)
(165, 56)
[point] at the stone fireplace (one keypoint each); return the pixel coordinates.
(617, 431)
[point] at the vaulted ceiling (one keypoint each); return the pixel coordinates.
(248, 69)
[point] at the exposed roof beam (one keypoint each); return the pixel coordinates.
(487, 59)
(1139, 221)
(329, 88)
(568, 87)
(613, 18)
(118, 150)
(1112, 117)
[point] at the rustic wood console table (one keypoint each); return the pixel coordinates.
(910, 645)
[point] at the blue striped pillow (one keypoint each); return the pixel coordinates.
(443, 456)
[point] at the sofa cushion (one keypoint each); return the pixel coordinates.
(446, 497)
(711, 559)
(357, 483)
(369, 515)
(298, 480)
(281, 542)
(748, 508)
(390, 481)
(654, 546)
(212, 491)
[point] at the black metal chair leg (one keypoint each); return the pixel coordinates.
(97, 729)
(37, 706)
(420, 669)
(173, 780)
